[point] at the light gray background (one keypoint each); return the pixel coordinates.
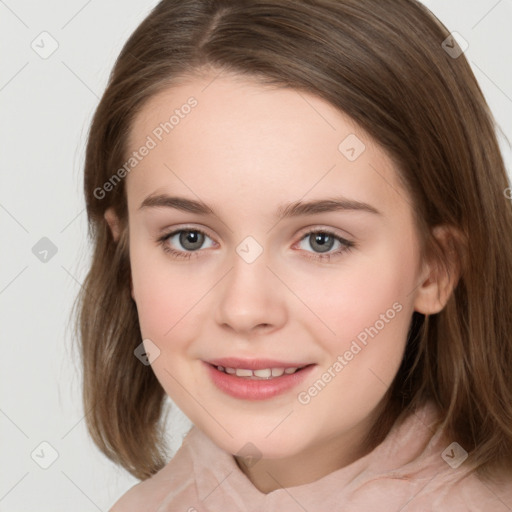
(47, 104)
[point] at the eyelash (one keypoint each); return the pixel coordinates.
(347, 245)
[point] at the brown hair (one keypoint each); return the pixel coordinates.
(382, 63)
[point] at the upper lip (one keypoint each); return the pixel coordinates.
(254, 364)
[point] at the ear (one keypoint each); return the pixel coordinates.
(440, 273)
(113, 222)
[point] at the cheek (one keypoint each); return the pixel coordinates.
(166, 295)
(369, 310)
(368, 304)
(366, 287)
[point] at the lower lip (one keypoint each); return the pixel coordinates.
(249, 389)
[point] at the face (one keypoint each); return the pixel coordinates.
(268, 232)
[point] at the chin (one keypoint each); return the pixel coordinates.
(257, 442)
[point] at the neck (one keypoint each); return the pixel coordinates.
(314, 462)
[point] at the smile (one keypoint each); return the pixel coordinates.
(256, 379)
(264, 373)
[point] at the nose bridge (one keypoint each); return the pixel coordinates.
(250, 295)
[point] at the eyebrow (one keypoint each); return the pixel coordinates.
(284, 211)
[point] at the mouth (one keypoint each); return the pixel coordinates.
(256, 379)
(261, 374)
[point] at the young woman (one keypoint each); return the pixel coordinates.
(302, 237)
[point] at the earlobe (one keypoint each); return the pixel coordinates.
(440, 275)
(432, 294)
(113, 222)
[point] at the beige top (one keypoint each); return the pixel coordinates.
(413, 469)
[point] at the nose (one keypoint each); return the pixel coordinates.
(251, 299)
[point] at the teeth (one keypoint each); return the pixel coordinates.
(240, 372)
(264, 373)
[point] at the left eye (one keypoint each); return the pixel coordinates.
(324, 241)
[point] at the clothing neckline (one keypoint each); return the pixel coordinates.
(401, 452)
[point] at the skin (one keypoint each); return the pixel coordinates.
(244, 150)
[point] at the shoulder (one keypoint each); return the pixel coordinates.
(492, 493)
(140, 497)
(149, 494)
(429, 471)
(469, 493)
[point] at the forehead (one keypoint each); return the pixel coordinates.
(219, 137)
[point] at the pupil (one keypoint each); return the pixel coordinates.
(323, 241)
(191, 240)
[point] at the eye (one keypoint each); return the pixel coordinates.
(323, 241)
(190, 240)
